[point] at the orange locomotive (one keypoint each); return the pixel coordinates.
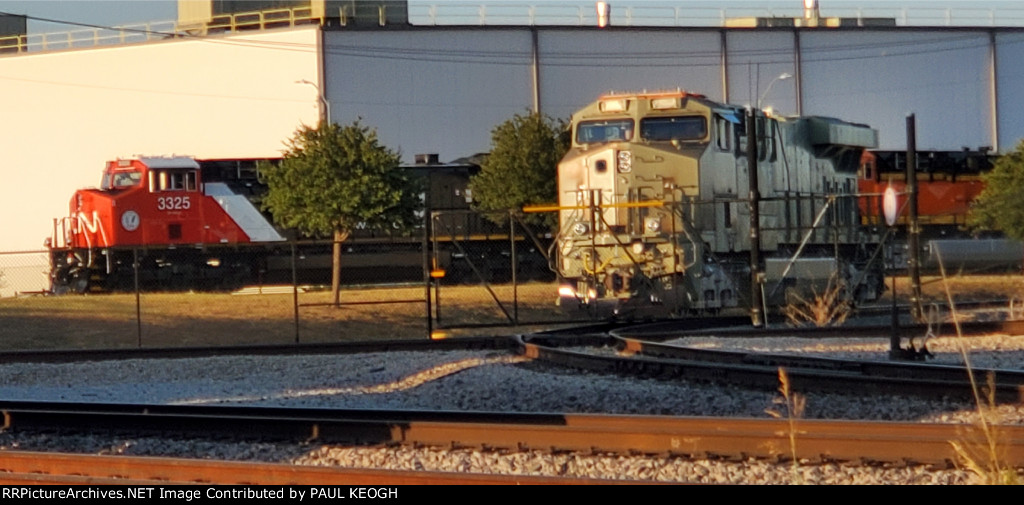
(947, 183)
(186, 226)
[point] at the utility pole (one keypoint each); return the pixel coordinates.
(913, 226)
(757, 317)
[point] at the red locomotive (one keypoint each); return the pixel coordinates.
(186, 226)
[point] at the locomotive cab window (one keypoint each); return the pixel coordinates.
(604, 130)
(723, 133)
(121, 180)
(177, 181)
(673, 128)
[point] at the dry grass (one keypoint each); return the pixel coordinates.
(982, 455)
(795, 404)
(186, 319)
(821, 309)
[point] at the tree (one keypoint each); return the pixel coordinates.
(334, 179)
(1000, 206)
(522, 166)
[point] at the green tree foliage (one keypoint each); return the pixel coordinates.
(334, 179)
(522, 166)
(1000, 206)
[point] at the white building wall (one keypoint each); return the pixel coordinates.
(66, 113)
(579, 65)
(429, 91)
(756, 60)
(1010, 87)
(879, 77)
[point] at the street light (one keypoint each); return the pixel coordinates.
(781, 77)
(320, 96)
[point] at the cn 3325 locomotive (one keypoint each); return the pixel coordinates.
(159, 201)
(654, 207)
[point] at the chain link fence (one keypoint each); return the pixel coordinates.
(448, 282)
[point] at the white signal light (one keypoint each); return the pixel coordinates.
(890, 206)
(603, 14)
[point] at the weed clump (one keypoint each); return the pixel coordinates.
(829, 308)
(794, 404)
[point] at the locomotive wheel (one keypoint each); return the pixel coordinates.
(69, 279)
(79, 281)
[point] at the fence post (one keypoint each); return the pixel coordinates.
(427, 267)
(512, 265)
(295, 288)
(138, 303)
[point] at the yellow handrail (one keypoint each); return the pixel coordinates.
(629, 205)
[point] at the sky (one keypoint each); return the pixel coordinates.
(122, 12)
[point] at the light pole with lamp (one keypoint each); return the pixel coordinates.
(782, 77)
(320, 96)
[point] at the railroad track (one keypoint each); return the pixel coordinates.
(638, 351)
(646, 331)
(641, 354)
(773, 439)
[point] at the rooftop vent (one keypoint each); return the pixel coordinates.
(427, 159)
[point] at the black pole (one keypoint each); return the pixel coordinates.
(756, 297)
(436, 303)
(913, 226)
(895, 349)
(295, 287)
(428, 268)
(513, 263)
(138, 302)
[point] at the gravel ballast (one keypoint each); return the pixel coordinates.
(489, 381)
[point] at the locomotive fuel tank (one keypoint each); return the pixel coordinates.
(655, 208)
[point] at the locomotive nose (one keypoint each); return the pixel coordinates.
(600, 179)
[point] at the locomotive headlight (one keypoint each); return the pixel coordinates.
(625, 162)
(638, 247)
(580, 228)
(653, 224)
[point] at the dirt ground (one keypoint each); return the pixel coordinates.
(207, 319)
(201, 319)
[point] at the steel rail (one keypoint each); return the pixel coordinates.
(650, 331)
(776, 439)
(77, 355)
(765, 376)
(679, 328)
(35, 468)
(866, 368)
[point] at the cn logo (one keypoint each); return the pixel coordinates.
(130, 220)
